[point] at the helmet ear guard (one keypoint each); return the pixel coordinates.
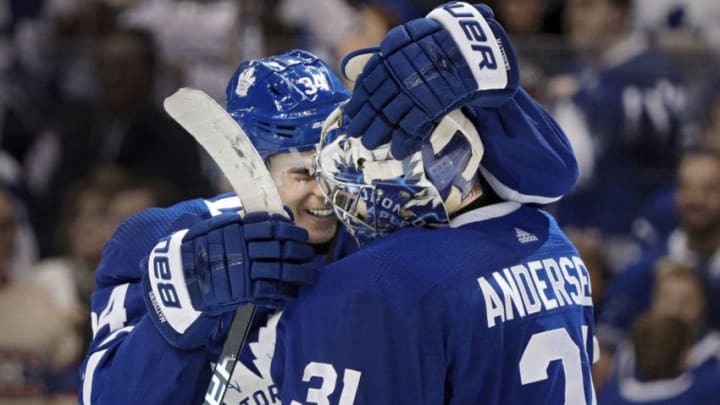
(374, 194)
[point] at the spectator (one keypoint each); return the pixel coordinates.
(671, 356)
(93, 209)
(696, 241)
(697, 17)
(589, 244)
(623, 103)
(311, 18)
(373, 21)
(140, 194)
(197, 55)
(352, 27)
(37, 344)
(592, 250)
(24, 247)
(520, 17)
(126, 128)
(711, 128)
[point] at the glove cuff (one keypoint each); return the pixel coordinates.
(167, 298)
(481, 42)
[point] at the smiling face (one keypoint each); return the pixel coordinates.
(294, 177)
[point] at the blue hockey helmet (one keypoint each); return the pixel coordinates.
(281, 101)
(374, 194)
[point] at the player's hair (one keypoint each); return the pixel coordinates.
(281, 101)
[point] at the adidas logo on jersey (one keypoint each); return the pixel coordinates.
(524, 236)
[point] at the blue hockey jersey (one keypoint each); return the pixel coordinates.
(129, 362)
(495, 309)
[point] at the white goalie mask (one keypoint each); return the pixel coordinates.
(374, 194)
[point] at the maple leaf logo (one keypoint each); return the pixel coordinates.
(245, 81)
(244, 381)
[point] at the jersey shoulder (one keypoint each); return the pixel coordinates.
(405, 266)
(135, 237)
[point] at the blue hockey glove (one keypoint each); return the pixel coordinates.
(230, 261)
(425, 68)
(217, 265)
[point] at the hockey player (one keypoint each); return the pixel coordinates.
(493, 306)
(515, 120)
(157, 348)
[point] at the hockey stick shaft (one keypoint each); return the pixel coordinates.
(228, 145)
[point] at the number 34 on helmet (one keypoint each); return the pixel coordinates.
(281, 101)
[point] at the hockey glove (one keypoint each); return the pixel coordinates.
(217, 265)
(425, 68)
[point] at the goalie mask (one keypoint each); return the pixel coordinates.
(282, 101)
(374, 194)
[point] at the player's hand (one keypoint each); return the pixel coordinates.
(425, 68)
(196, 275)
(229, 261)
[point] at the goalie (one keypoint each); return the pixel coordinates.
(463, 293)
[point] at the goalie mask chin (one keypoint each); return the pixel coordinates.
(374, 194)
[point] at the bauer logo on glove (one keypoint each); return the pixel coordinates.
(458, 56)
(220, 263)
(476, 41)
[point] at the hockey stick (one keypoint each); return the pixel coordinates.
(242, 165)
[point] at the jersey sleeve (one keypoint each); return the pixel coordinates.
(134, 364)
(544, 166)
(128, 360)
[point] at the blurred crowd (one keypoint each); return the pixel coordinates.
(84, 143)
